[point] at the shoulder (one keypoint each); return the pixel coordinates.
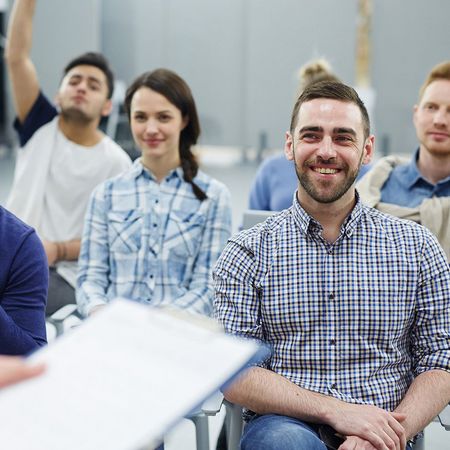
(213, 188)
(125, 181)
(275, 162)
(400, 232)
(13, 232)
(115, 151)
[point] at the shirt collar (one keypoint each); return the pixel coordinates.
(412, 175)
(308, 223)
(138, 170)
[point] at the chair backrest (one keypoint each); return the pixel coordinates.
(252, 217)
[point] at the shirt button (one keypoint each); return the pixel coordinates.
(333, 386)
(155, 225)
(332, 341)
(156, 201)
(331, 296)
(151, 277)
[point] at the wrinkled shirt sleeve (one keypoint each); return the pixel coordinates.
(93, 262)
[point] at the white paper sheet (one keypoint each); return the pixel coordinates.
(119, 381)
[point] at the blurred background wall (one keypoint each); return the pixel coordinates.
(241, 56)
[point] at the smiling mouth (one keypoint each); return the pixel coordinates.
(325, 170)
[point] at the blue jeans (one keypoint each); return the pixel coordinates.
(274, 432)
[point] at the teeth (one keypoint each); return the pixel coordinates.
(325, 170)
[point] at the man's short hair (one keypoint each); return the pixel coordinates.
(96, 60)
(335, 91)
(439, 72)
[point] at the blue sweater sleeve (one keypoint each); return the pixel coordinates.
(23, 288)
(259, 197)
(40, 113)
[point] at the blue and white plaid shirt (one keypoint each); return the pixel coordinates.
(153, 242)
(356, 319)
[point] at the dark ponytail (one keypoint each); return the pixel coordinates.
(175, 89)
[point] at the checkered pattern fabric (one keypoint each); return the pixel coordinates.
(356, 319)
(153, 242)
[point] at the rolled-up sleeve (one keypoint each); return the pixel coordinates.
(237, 298)
(431, 333)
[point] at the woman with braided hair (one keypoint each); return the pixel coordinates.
(153, 233)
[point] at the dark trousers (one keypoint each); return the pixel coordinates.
(60, 293)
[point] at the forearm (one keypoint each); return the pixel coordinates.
(13, 339)
(197, 300)
(62, 250)
(425, 398)
(20, 29)
(265, 392)
(70, 250)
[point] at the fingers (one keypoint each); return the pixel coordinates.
(398, 429)
(356, 443)
(13, 370)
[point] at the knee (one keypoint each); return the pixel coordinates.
(279, 434)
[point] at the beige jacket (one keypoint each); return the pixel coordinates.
(433, 213)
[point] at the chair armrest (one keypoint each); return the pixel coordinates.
(212, 405)
(444, 417)
(63, 313)
(57, 318)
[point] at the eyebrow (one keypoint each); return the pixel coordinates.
(90, 78)
(339, 130)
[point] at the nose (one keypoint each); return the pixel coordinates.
(82, 86)
(326, 149)
(151, 127)
(441, 118)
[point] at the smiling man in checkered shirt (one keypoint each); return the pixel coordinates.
(355, 303)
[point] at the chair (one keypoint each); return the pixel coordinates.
(234, 425)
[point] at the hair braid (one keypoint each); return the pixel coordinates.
(190, 168)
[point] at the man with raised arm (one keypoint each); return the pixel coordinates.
(355, 303)
(63, 154)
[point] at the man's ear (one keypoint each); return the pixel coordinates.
(289, 146)
(107, 108)
(368, 149)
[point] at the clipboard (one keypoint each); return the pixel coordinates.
(121, 380)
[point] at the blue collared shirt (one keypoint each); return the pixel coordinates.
(356, 319)
(407, 187)
(153, 242)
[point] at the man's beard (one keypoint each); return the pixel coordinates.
(327, 196)
(76, 115)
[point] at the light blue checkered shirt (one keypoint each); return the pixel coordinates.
(153, 242)
(357, 319)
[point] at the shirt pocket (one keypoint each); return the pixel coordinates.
(125, 230)
(184, 234)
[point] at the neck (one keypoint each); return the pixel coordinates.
(85, 133)
(330, 215)
(433, 167)
(160, 167)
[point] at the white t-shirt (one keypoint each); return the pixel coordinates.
(74, 171)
